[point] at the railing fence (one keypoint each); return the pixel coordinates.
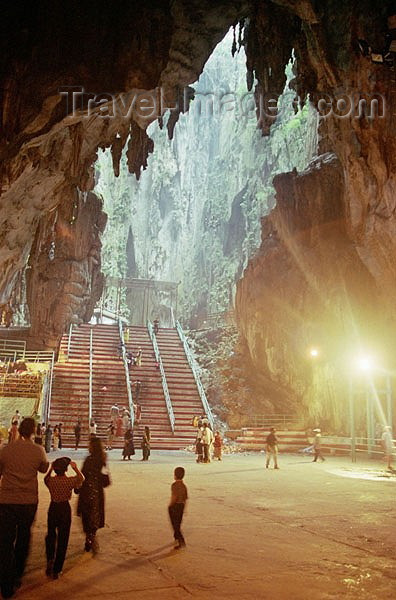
(194, 367)
(163, 376)
(126, 368)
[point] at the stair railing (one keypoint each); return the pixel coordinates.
(195, 370)
(47, 390)
(126, 368)
(69, 340)
(158, 358)
(90, 374)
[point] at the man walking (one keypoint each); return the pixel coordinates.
(317, 446)
(207, 439)
(19, 464)
(387, 445)
(271, 448)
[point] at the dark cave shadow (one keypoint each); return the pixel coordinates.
(127, 565)
(149, 553)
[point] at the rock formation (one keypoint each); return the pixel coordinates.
(324, 266)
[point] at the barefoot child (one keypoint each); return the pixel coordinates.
(176, 506)
(59, 513)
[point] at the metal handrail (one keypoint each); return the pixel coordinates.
(163, 376)
(265, 421)
(42, 356)
(126, 368)
(49, 394)
(12, 345)
(194, 367)
(29, 355)
(69, 340)
(12, 349)
(90, 374)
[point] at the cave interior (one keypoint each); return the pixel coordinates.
(80, 78)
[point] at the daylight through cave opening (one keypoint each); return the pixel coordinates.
(193, 216)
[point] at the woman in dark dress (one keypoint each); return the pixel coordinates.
(146, 443)
(91, 497)
(129, 448)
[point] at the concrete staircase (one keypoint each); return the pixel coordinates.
(70, 395)
(151, 395)
(70, 390)
(183, 391)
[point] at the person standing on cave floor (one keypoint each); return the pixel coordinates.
(271, 448)
(317, 445)
(19, 464)
(179, 496)
(55, 438)
(217, 445)
(60, 435)
(59, 512)
(207, 440)
(13, 433)
(199, 446)
(48, 438)
(387, 446)
(91, 507)
(16, 417)
(129, 447)
(146, 441)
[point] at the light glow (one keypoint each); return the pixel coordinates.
(365, 363)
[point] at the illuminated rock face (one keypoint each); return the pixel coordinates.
(325, 268)
(344, 205)
(307, 288)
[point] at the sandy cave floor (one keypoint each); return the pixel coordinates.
(308, 531)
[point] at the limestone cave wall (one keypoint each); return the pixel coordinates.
(47, 149)
(326, 262)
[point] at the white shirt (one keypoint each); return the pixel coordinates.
(16, 417)
(207, 435)
(387, 440)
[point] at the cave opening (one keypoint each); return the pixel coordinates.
(192, 216)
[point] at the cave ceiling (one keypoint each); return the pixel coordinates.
(118, 57)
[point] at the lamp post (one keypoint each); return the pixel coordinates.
(352, 421)
(365, 365)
